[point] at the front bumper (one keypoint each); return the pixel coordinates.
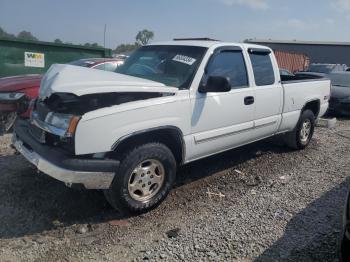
(91, 173)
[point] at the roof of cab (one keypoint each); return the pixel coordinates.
(208, 43)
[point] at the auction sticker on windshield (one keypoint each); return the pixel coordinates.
(34, 59)
(184, 59)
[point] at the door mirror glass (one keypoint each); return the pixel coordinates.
(215, 84)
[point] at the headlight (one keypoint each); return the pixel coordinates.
(65, 122)
(11, 96)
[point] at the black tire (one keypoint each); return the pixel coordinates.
(293, 139)
(118, 194)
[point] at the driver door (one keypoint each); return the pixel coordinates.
(223, 120)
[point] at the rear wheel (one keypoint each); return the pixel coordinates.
(144, 178)
(301, 136)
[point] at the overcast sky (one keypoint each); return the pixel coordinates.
(81, 21)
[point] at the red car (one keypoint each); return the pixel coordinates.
(16, 92)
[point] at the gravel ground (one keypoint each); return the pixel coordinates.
(262, 202)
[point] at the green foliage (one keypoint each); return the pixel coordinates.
(126, 48)
(25, 35)
(92, 45)
(58, 41)
(144, 36)
(4, 34)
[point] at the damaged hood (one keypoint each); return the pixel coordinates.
(83, 81)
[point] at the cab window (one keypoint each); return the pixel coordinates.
(229, 64)
(262, 68)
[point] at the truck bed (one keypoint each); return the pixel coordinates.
(300, 78)
(303, 88)
(298, 91)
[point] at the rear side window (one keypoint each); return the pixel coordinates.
(229, 64)
(262, 68)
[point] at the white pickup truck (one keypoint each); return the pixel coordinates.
(169, 104)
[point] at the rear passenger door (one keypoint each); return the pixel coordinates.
(268, 92)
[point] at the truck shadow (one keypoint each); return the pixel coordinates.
(32, 203)
(313, 233)
(227, 160)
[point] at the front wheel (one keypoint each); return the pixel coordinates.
(144, 178)
(301, 136)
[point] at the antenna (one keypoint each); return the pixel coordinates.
(104, 47)
(104, 36)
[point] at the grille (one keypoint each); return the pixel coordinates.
(37, 133)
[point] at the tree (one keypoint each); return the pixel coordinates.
(126, 48)
(95, 45)
(4, 34)
(25, 35)
(144, 36)
(91, 45)
(58, 41)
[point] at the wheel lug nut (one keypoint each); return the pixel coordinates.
(142, 174)
(149, 183)
(140, 181)
(152, 176)
(143, 185)
(148, 172)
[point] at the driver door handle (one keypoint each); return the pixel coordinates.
(249, 100)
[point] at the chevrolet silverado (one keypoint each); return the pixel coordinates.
(171, 103)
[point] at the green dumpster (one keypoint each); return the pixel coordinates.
(18, 57)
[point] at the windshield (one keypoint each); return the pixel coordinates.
(171, 65)
(326, 69)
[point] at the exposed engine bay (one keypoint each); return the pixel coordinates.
(71, 104)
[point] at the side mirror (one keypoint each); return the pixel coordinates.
(217, 84)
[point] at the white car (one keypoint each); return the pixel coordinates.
(170, 104)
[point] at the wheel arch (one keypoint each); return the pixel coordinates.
(171, 136)
(314, 105)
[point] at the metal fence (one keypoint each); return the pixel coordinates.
(19, 57)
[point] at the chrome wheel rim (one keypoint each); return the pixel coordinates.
(305, 131)
(146, 180)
